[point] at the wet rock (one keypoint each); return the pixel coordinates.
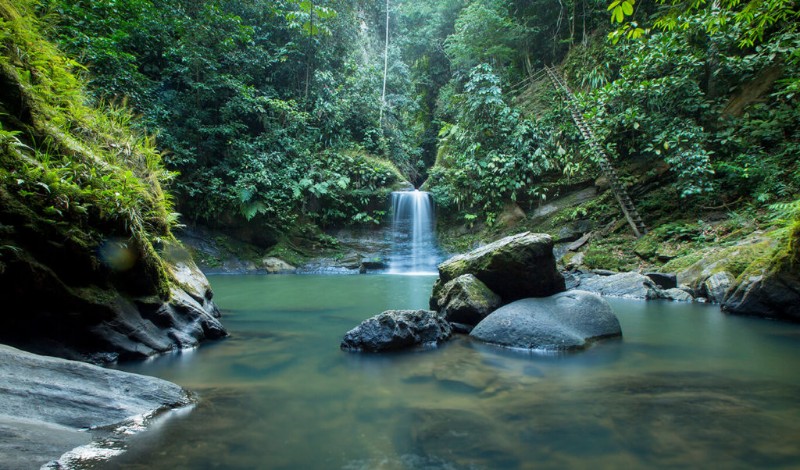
(717, 286)
(565, 321)
(81, 315)
(573, 231)
(675, 294)
(514, 267)
(276, 265)
(398, 329)
(374, 263)
(773, 294)
(464, 300)
(628, 285)
(54, 401)
(663, 280)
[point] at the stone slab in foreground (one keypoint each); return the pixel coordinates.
(47, 404)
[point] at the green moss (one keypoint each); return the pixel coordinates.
(612, 253)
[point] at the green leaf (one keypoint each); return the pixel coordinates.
(627, 8)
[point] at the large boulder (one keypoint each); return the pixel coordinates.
(397, 329)
(772, 294)
(628, 285)
(464, 300)
(565, 321)
(717, 286)
(161, 302)
(514, 267)
(48, 404)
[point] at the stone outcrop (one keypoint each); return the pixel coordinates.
(397, 329)
(514, 267)
(464, 300)
(64, 304)
(275, 265)
(565, 321)
(771, 293)
(664, 280)
(629, 285)
(47, 404)
(716, 286)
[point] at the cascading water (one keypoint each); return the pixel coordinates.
(414, 249)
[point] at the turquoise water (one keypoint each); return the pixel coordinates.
(687, 386)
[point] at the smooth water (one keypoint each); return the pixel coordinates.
(687, 386)
(414, 247)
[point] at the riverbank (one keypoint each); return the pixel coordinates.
(54, 407)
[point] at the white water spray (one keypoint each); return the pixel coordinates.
(414, 249)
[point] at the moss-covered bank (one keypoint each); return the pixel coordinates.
(88, 263)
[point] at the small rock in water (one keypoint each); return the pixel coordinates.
(397, 329)
(464, 300)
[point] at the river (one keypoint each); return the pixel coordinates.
(686, 386)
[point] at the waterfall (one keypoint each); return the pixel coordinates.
(414, 249)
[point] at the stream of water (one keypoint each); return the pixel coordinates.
(414, 249)
(686, 387)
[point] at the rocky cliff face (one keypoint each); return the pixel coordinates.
(89, 268)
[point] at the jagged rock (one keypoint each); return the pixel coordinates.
(564, 321)
(573, 231)
(629, 285)
(575, 261)
(276, 265)
(514, 267)
(664, 280)
(397, 329)
(675, 294)
(465, 300)
(79, 311)
(374, 263)
(56, 401)
(772, 294)
(717, 286)
(512, 214)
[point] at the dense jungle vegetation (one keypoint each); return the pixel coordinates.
(272, 114)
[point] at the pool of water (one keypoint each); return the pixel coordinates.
(687, 386)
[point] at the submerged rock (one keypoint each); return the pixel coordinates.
(628, 285)
(48, 404)
(464, 300)
(565, 321)
(514, 267)
(397, 329)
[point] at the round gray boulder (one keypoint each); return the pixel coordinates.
(566, 321)
(397, 329)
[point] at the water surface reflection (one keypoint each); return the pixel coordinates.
(686, 387)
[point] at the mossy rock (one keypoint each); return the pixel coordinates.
(465, 300)
(515, 267)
